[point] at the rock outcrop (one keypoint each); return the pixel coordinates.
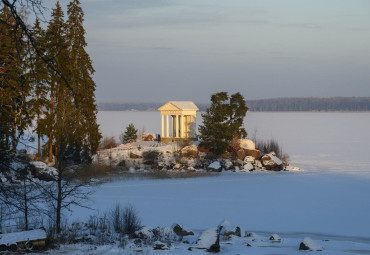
(271, 162)
(181, 231)
(257, 154)
(209, 240)
(190, 151)
(215, 166)
(247, 144)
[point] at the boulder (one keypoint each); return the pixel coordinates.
(275, 238)
(181, 231)
(190, 151)
(249, 159)
(228, 164)
(144, 233)
(257, 164)
(247, 144)
(227, 229)
(38, 165)
(209, 240)
(247, 167)
(309, 245)
(160, 246)
(257, 154)
(177, 166)
(215, 166)
(271, 162)
(240, 154)
(147, 137)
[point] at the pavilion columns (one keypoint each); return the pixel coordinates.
(177, 125)
(182, 126)
(162, 125)
(168, 126)
(174, 123)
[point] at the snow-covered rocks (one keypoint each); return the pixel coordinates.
(228, 164)
(43, 171)
(209, 240)
(271, 162)
(147, 156)
(310, 245)
(247, 167)
(215, 166)
(227, 229)
(158, 245)
(144, 233)
(275, 238)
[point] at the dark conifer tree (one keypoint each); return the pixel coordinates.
(223, 121)
(38, 76)
(129, 135)
(81, 70)
(14, 88)
(57, 53)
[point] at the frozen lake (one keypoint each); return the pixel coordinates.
(325, 141)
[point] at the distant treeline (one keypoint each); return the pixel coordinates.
(350, 104)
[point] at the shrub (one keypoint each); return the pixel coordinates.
(267, 146)
(107, 142)
(131, 221)
(150, 157)
(125, 220)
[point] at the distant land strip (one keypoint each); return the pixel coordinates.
(309, 104)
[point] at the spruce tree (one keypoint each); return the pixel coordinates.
(38, 76)
(81, 70)
(129, 135)
(223, 121)
(15, 89)
(58, 55)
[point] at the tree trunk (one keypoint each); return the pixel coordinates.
(25, 205)
(38, 138)
(59, 204)
(51, 130)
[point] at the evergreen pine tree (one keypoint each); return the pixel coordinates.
(129, 135)
(223, 121)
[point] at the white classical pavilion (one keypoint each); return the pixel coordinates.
(178, 120)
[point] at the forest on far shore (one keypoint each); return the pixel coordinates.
(322, 104)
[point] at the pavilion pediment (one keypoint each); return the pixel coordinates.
(169, 107)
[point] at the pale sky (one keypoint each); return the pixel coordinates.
(161, 50)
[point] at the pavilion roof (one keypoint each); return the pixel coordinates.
(181, 105)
